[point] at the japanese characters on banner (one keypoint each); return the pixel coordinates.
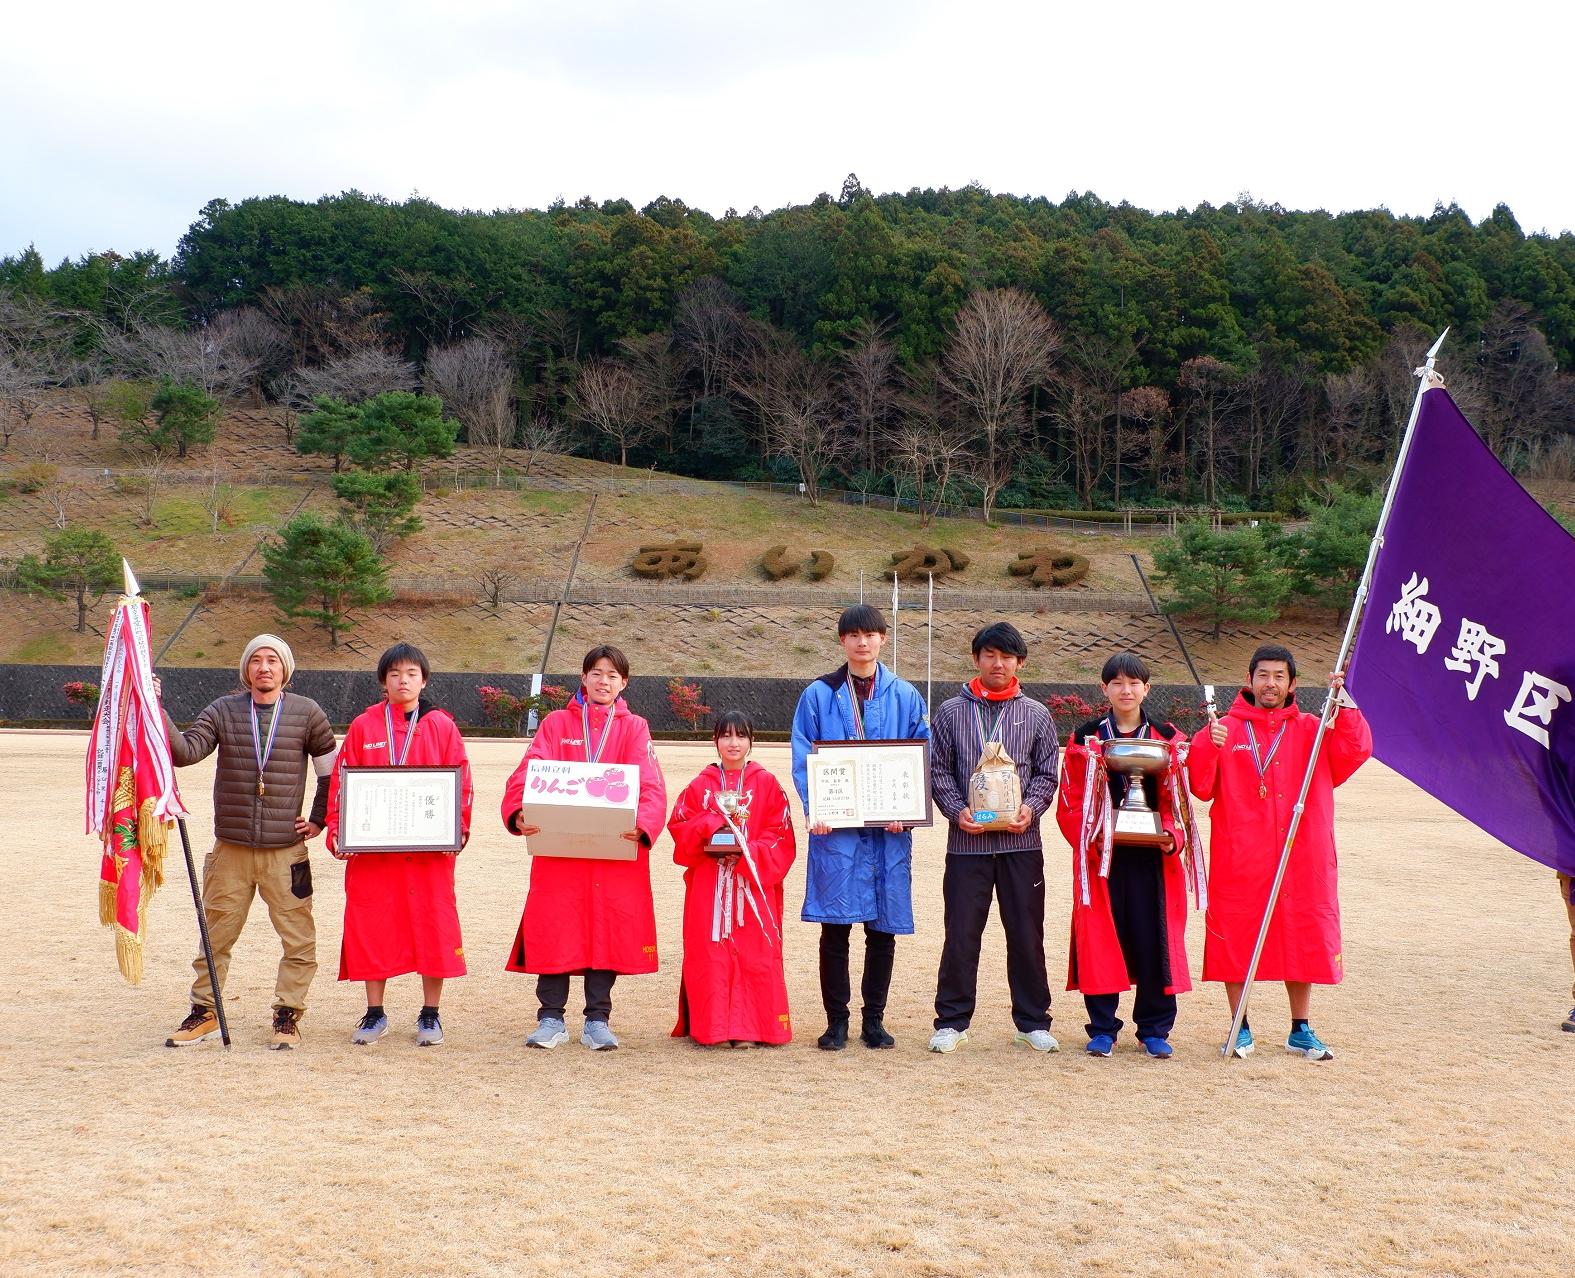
(1466, 655)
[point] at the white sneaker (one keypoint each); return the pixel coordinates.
(947, 1040)
(550, 1032)
(1039, 1040)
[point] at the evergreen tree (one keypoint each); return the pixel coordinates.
(319, 571)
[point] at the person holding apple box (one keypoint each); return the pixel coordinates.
(589, 913)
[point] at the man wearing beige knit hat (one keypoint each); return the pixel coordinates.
(264, 737)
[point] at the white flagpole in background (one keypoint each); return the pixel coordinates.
(1429, 379)
(929, 650)
(896, 605)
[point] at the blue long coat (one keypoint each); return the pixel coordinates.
(857, 876)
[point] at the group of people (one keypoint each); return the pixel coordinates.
(733, 834)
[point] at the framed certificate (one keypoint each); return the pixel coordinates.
(389, 809)
(853, 784)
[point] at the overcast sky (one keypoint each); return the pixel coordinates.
(119, 121)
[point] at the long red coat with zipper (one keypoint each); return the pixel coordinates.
(1095, 962)
(733, 988)
(580, 913)
(400, 912)
(1247, 833)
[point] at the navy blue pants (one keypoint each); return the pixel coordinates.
(1137, 906)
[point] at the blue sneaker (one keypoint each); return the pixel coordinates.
(550, 1032)
(1101, 1045)
(1306, 1043)
(1158, 1048)
(1569, 1022)
(1244, 1043)
(598, 1037)
(369, 1029)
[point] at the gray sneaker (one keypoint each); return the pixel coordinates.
(550, 1032)
(598, 1037)
(1039, 1040)
(429, 1030)
(370, 1029)
(947, 1040)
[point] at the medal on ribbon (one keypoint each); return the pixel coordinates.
(261, 752)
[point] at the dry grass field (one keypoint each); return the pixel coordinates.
(1438, 1143)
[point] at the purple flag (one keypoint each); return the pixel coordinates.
(1465, 662)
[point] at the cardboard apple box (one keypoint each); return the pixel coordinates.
(582, 809)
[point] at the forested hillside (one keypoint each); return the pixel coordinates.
(990, 348)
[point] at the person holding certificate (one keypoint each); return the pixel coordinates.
(733, 835)
(400, 912)
(858, 874)
(591, 917)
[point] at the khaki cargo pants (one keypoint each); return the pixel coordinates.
(231, 876)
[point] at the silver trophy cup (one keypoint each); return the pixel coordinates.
(1136, 822)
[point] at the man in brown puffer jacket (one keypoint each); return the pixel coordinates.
(264, 737)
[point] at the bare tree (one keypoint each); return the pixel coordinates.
(607, 395)
(1079, 408)
(447, 305)
(543, 434)
(197, 356)
(1213, 392)
(352, 379)
(475, 380)
(868, 368)
(1275, 398)
(1334, 442)
(495, 583)
(256, 342)
(793, 396)
(920, 442)
(219, 500)
(657, 364)
(324, 324)
(1148, 408)
(1003, 346)
(707, 322)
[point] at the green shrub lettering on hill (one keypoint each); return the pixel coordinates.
(776, 565)
(821, 562)
(1049, 567)
(922, 562)
(673, 559)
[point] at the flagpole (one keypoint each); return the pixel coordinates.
(896, 605)
(133, 590)
(929, 650)
(1429, 378)
(202, 931)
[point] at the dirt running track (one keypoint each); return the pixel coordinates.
(1439, 1143)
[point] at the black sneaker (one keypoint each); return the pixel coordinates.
(874, 1034)
(835, 1038)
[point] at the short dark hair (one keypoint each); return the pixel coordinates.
(1271, 652)
(735, 719)
(861, 619)
(402, 654)
(1003, 636)
(1127, 664)
(606, 652)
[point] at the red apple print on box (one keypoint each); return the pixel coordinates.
(596, 787)
(616, 788)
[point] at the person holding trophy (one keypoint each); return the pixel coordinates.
(1251, 765)
(733, 835)
(1136, 858)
